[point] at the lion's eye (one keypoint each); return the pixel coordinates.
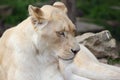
(61, 34)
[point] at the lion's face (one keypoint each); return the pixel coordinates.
(55, 30)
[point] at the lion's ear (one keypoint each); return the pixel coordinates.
(35, 12)
(61, 6)
(37, 17)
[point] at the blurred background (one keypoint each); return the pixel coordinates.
(87, 15)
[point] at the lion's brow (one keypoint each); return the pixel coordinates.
(72, 28)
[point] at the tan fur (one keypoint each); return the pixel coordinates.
(86, 67)
(30, 50)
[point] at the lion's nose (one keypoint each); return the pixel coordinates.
(75, 51)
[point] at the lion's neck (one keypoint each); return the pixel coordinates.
(26, 27)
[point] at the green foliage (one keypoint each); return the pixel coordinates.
(20, 11)
(100, 11)
(113, 61)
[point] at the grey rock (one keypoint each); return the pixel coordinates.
(5, 10)
(101, 44)
(87, 27)
(103, 60)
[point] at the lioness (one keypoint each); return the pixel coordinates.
(30, 51)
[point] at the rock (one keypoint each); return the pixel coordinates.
(82, 38)
(115, 7)
(100, 44)
(83, 27)
(118, 65)
(113, 23)
(5, 10)
(103, 60)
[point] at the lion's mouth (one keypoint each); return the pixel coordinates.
(66, 58)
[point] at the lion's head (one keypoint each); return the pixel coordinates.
(55, 31)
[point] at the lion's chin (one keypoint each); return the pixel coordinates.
(66, 59)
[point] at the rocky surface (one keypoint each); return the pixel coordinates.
(83, 26)
(101, 44)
